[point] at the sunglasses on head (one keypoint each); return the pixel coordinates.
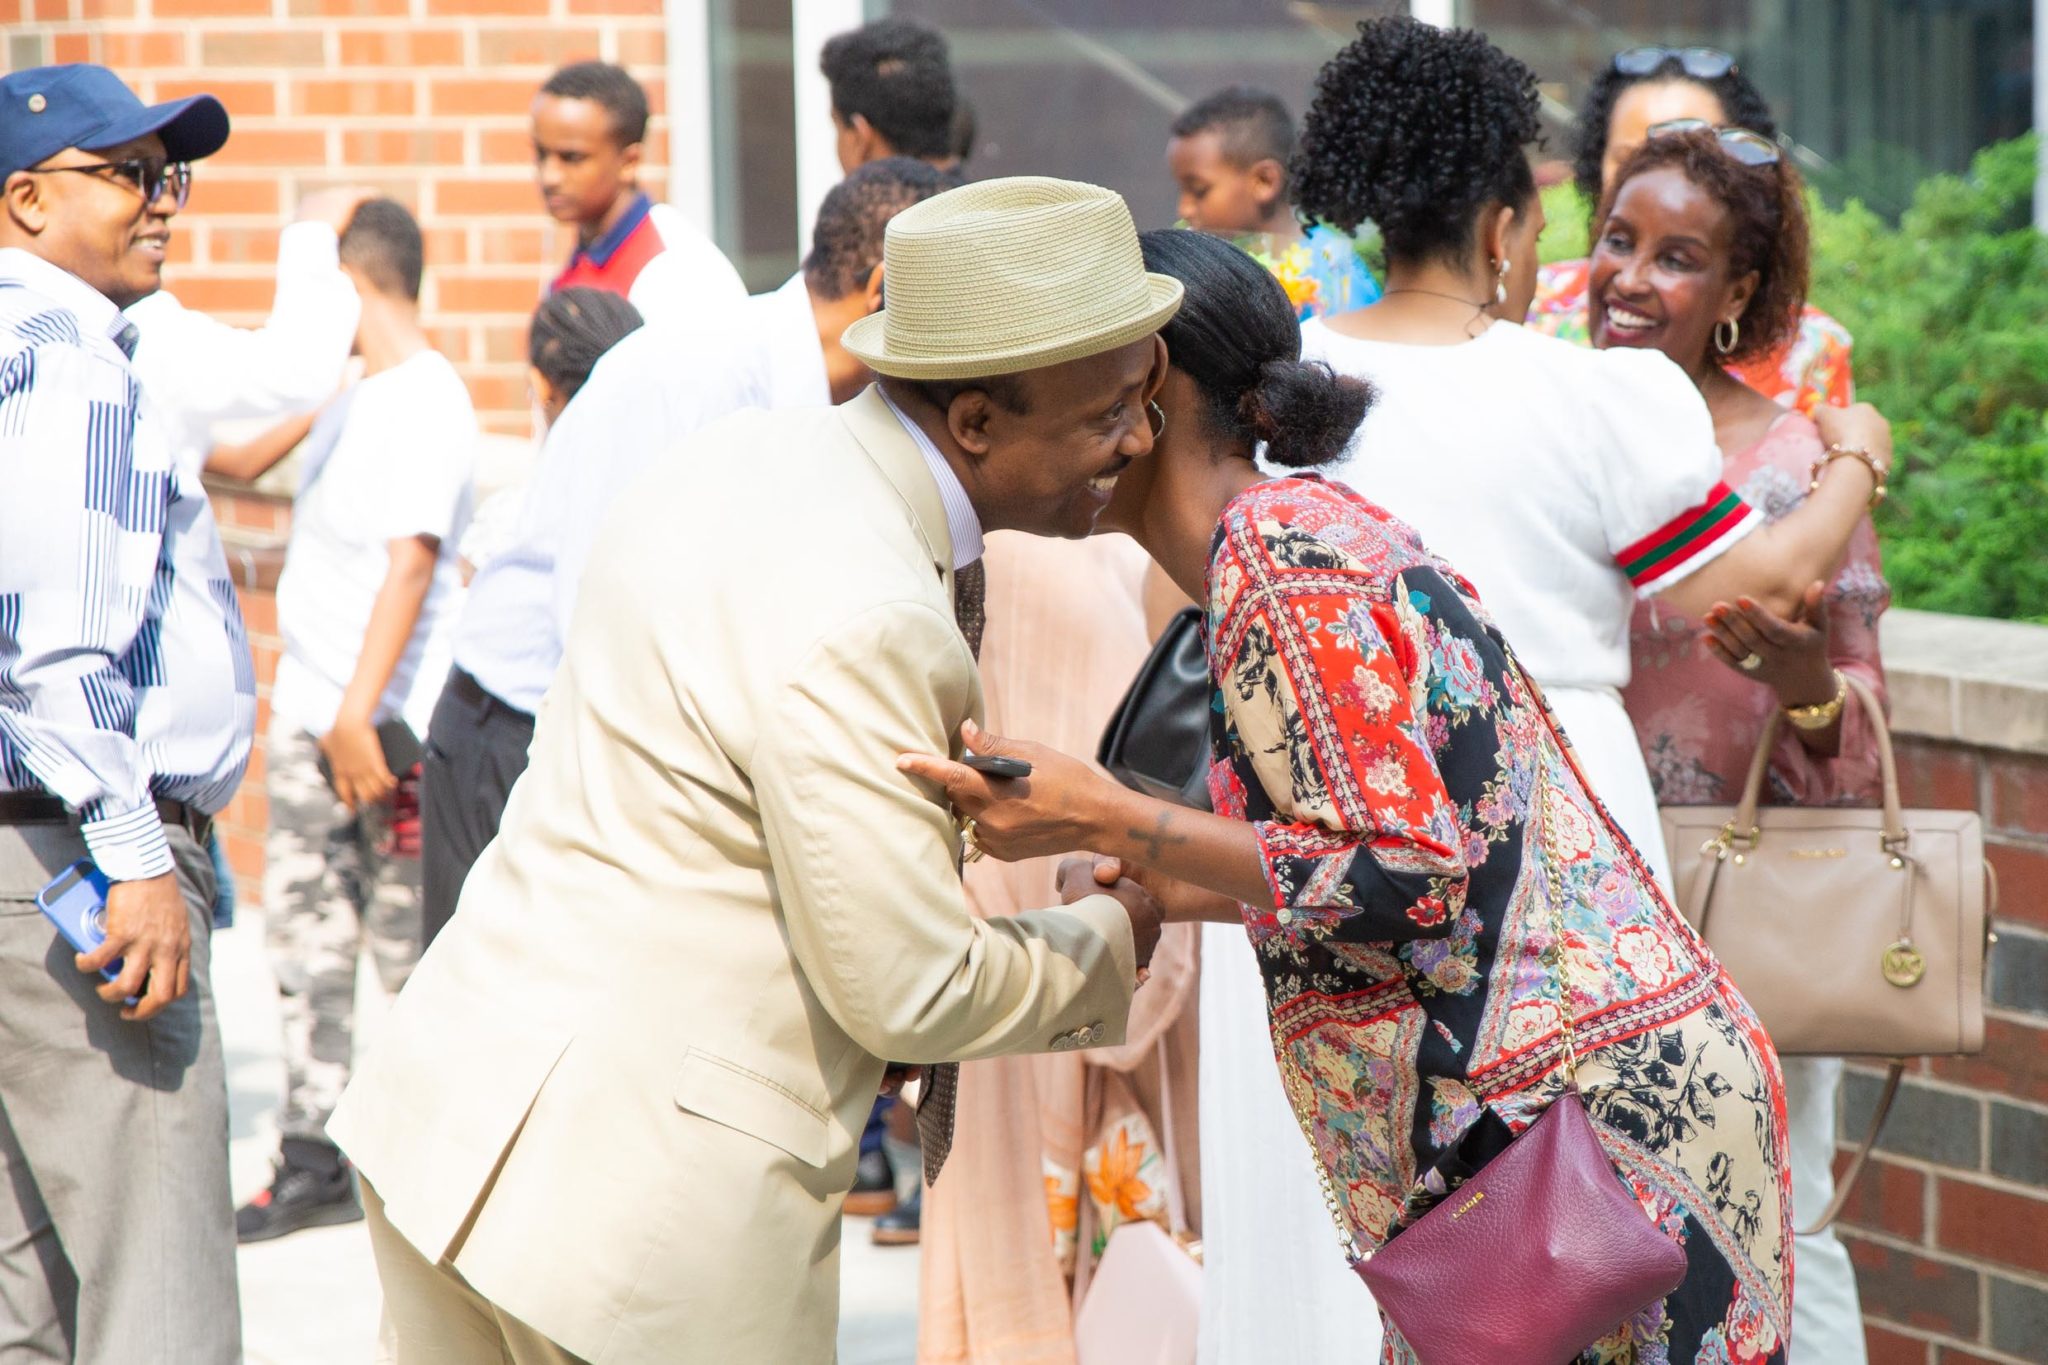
(1700, 63)
(149, 176)
(1751, 149)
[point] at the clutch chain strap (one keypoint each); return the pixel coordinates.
(1553, 957)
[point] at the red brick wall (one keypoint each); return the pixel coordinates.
(425, 99)
(1949, 1227)
(253, 529)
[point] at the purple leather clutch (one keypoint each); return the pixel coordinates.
(1564, 1251)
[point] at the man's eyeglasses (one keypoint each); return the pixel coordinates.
(1751, 149)
(1700, 63)
(148, 175)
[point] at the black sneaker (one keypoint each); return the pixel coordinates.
(874, 1186)
(312, 1188)
(900, 1228)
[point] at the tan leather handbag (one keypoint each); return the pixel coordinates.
(1850, 932)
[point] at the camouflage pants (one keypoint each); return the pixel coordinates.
(330, 885)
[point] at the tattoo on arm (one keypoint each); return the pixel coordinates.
(1158, 839)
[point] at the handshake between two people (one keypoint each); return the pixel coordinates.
(1164, 864)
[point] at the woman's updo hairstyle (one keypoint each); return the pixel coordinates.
(1742, 105)
(1237, 338)
(1767, 214)
(1415, 129)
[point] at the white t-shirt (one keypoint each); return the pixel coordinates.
(1561, 481)
(389, 459)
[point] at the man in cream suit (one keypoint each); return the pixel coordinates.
(615, 1112)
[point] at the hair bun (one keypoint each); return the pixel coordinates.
(1304, 411)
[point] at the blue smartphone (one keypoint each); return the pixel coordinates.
(76, 902)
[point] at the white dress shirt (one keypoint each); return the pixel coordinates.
(658, 385)
(198, 371)
(124, 671)
(963, 523)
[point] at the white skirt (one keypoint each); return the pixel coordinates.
(1275, 1288)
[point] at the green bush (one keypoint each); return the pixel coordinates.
(1949, 308)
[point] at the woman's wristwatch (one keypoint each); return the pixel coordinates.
(1878, 473)
(1821, 714)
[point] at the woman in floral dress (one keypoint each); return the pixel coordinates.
(1642, 88)
(1703, 256)
(1393, 801)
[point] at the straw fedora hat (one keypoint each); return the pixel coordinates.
(1008, 275)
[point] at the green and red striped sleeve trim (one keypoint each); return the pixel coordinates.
(1688, 540)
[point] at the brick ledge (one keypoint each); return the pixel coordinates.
(1968, 679)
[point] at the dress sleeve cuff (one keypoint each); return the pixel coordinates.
(129, 847)
(1687, 541)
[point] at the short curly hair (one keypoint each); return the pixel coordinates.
(1767, 210)
(846, 243)
(1741, 101)
(1417, 128)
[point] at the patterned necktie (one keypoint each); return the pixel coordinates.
(942, 1079)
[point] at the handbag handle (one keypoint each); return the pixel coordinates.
(1744, 831)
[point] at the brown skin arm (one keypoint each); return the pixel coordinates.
(1794, 654)
(252, 459)
(1774, 564)
(360, 774)
(148, 929)
(1065, 805)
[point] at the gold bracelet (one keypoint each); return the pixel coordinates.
(1878, 473)
(1820, 715)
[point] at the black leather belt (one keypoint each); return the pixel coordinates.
(473, 693)
(41, 808)
(196, 823)
(32, 808)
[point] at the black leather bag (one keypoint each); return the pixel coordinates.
(1158, 740)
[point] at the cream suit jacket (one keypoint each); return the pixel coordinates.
(623, 1092)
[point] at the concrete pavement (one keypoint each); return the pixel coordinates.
(312, 1299)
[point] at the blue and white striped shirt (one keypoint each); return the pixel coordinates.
(124, 670)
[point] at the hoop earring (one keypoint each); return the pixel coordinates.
(1159, 413)
(1727, 343)
(1500, 290)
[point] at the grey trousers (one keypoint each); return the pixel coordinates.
(116, 1227)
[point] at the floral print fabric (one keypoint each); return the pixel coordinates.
(1811, 369)
(1413, 802)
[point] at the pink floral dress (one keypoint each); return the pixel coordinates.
(1699, 720)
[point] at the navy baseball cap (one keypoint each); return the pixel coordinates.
(45, 109)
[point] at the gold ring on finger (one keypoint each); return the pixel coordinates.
(974, 852)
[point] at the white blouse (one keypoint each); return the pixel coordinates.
(1561, 481)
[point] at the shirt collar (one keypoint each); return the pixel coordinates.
(599, 253)
(95, 312)
(963, 527)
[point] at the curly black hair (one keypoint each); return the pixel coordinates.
(1236, 336)
(1767, 211)
(1741, 102)
(895, 74)
(846, 244)
(1417, 128)
(571, 331)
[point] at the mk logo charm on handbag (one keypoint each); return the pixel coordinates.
(1903, 964)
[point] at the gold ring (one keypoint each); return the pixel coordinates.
(1750, 662)
(974, 852)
